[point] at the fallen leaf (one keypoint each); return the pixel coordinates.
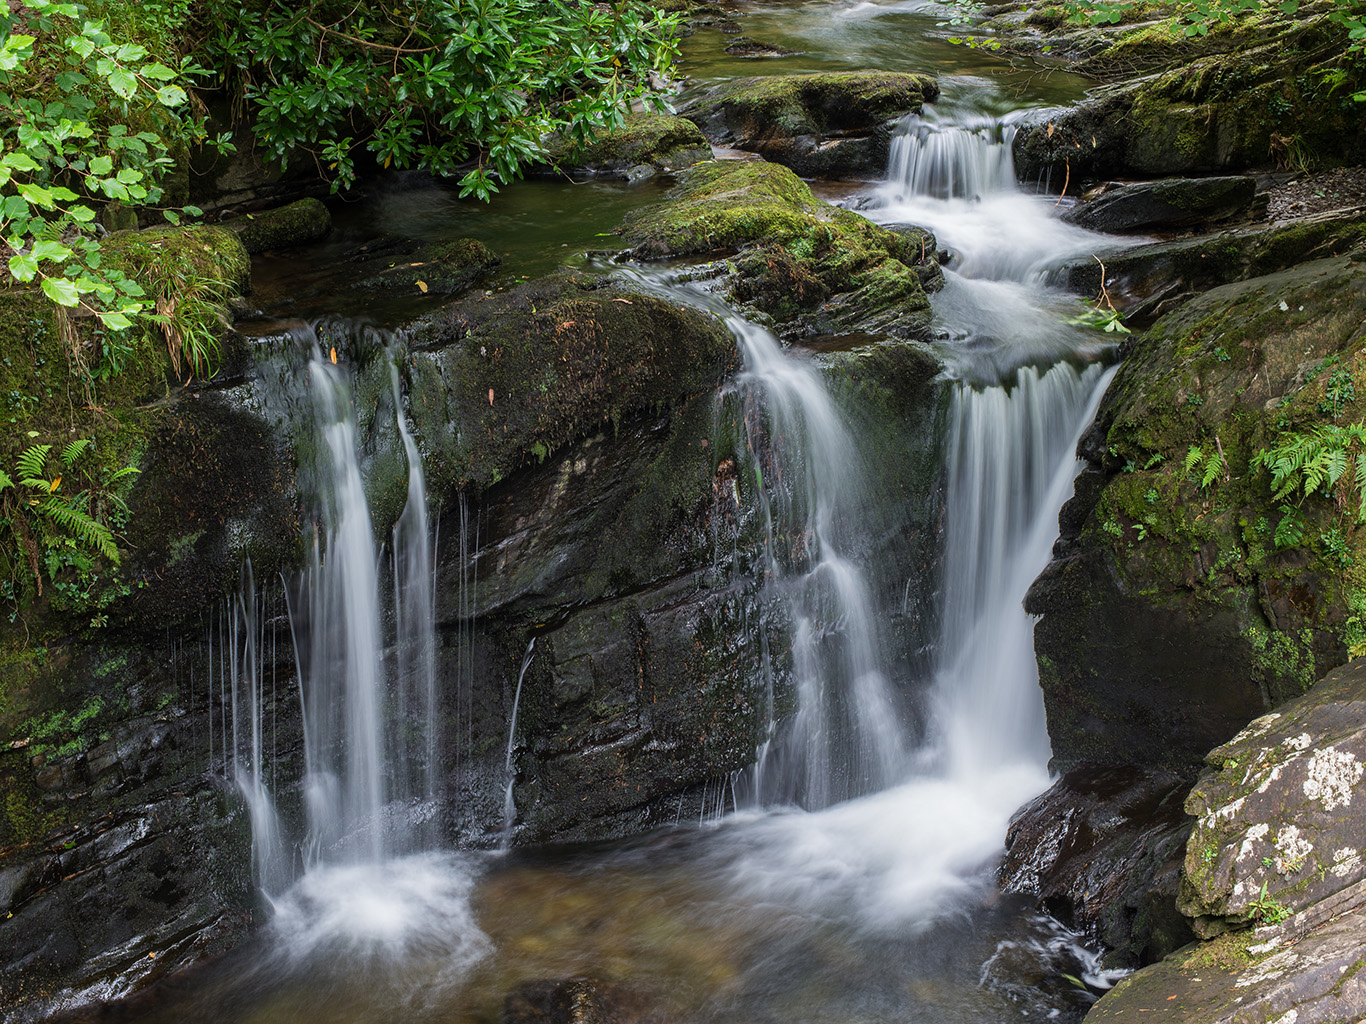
(626, 301)
(333, 354)
(490, 396)
(422, 287)
(57, 482)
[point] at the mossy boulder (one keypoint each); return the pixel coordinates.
(1173, 531)
(823, 125)
(820, 268)
(503, 378)
(305, 220)
(1173, 203)
(438, 268)
(1283, 103)
(645, 145)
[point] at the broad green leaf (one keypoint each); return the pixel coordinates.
(171, 96)
(61, 291)
(114, 320)
(158, 73)
(23, 266)
(124, 83)
(49, 250)
(19, 161)
(101, 165)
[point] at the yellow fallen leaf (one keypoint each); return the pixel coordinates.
(490, 396)
(334, 356)
(57, 482)
(422, 287)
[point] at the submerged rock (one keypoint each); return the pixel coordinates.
(825, 125)
(822, 268)
(578, 1000)
(1174, 202)
(744, 46)
(305, 220)
(1173, 532)
(437, 268)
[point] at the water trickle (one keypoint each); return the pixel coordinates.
(510, 776)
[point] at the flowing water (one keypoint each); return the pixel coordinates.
(854, 879)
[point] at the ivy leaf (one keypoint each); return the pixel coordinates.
(61, 291)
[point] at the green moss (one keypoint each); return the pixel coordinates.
(303, 221)
(644, 138)
(821, 103)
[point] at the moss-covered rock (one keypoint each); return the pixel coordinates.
(1283, 103)
(826, 125)
(799, 259)
(644, 145)
(1172, 533)
(304, 220)
(438, 268)
(504, 378)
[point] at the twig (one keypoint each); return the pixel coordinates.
(365, 42)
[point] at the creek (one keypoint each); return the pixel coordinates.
(848, 874)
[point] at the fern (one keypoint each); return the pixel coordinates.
(1316, 462)
(32, 464)
(74, 451)
(5, 481)
(1290, 530)
(1209, 464)
(92, 534)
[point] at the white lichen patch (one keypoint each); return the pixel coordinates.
(1289, 1017)
(1257, 949)
(1254, 835)
(1227, 813)
(1346, 861)
(1300, 742)
(1257, 727)
(1291, 848)
(1331, 775)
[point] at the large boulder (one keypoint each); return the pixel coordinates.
(1185, 596)
(1274, 874)
(824, 125)
(645, 145)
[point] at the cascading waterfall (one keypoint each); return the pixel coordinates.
(1011, 462)
(966, 161)
(509, 775)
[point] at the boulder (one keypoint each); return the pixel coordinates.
(645, 145)
(823, 125)
(1170, 613)
(1101, 850)
(305, 220)
(1276, 845)
(1172, 203)
(816, 267)
(744, 46)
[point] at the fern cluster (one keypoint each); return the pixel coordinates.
(1317, 462)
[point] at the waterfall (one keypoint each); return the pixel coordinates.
(1011, 462)
(959, 162)
(509, 775)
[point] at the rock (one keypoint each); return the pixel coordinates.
(1148, 280)
(1256, 107)
(660, 143)
(1175, 202)
(578, 1000)
(819, 268)
(1171, 534)
(826, 125)
(744, 46)
(1276, 831)
(1102, 851)
(1277, 842)
(438, 268)
(305, 220)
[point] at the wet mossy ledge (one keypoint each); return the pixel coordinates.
(811, 266)
(828, 125)
(1177, 531)
(499, 380)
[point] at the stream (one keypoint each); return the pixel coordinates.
(848, 875)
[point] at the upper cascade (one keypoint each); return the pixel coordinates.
(967, 161)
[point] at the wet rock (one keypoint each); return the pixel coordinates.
(578, 1000)
(744, 46)
(1102, 851)
(802, 261)
(438, 268)
(645, 145)
(1175, 202)
(304, 220)
(503, 378)
(1148, 280)
(827, 125)
(1171, 534)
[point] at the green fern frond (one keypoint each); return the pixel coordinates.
(5, 481)
(125, 471)
(32, 464)
(92, 534)
(1194, 457)
(74, 451)
(1214, 465)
